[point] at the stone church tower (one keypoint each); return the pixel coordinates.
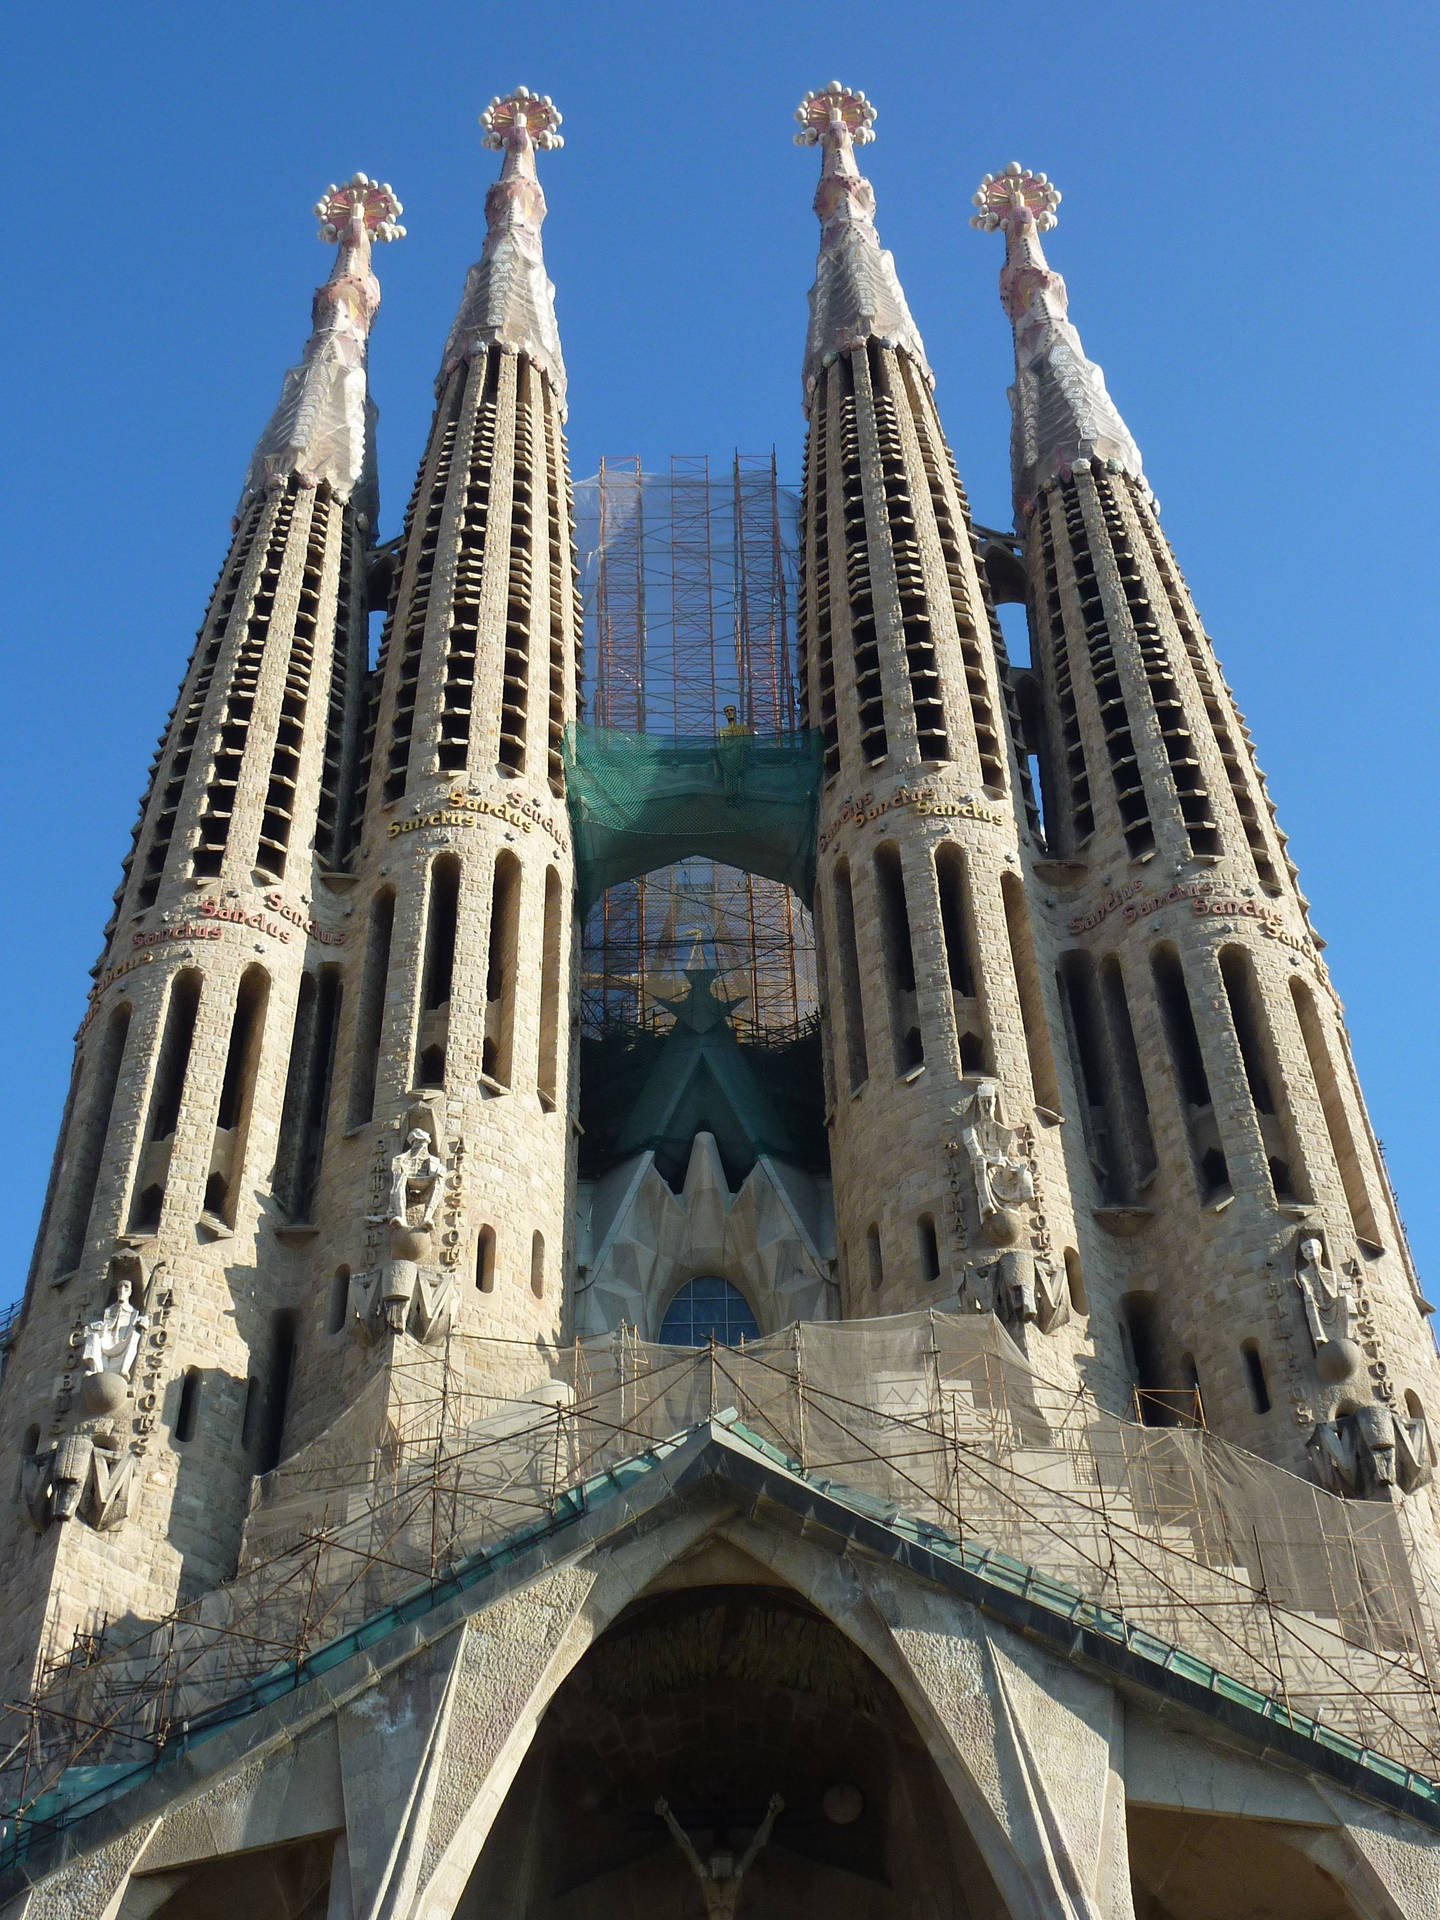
(971, 1454)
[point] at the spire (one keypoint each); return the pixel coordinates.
(1061, 410)
(508, 300)
(857, 294)
(321, 429)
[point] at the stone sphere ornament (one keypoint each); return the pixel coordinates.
(842, 1804)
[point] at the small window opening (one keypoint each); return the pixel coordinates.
(929, 1247)
(1074, 1281)
(537, 1265)
(275, 1401)
(873, 1256)
(189, 1409)
(1255, 1377)
(339, 1301)
(485, 1260)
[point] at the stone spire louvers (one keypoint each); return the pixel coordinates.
(1061, 410)
(201, 1067)
(857, 294)
(323, 426)
(919, 912)
(509, 300)
(1222, 1124)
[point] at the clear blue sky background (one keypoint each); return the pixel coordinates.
(1248, 234)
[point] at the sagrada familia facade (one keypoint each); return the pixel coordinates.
(1033, 1514)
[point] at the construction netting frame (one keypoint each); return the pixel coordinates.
(639, 801)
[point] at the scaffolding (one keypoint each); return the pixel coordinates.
(1263, 1590)
(689, 581)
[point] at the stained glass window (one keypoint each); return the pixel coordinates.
(705, 1306)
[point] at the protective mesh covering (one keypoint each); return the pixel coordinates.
(644, 800)
(1176, 1539)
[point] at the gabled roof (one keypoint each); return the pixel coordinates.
(720, 1454)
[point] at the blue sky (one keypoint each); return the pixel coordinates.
(1248, 234)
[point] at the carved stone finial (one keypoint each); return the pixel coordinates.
(514, 116)
(372, 201)
(1011, 196)
(834, 110)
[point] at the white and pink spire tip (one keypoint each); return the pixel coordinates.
(834, 109)
(518, 112)
(373, 200)
(1013, 193)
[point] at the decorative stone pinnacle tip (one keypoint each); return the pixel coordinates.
(522, 111)
(835, 109)
(375, 202)
(1006, 197)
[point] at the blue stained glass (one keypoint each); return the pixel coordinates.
(705, 1306)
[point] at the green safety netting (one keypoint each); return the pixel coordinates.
(644, 800)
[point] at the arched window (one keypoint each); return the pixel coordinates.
(705, 1306)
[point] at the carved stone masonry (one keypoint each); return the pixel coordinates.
(999, 1166)
(1372, 1453)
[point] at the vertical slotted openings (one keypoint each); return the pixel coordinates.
(498, 1063)
(875, 1264)
(906, 1042)
(472, 521)
(1247, 783)
(1068, 825)
(267, 1428)
(279, 814)
(1191, 1081)
(954, 537)
(957, 923)
(1262, 1072)
(922, 665)
(441, 913)
(1125, 1055)
(515, 688)
(537, 1264)
(817, 657)
(166, 1090)
(1099, 1103)
(1032, 1000)
(183, 730)
(1161, 679)
(404, 638)
(560, 587)
(218, 805)
(549, 1080)
(847, 959)
(1105, 676)
(859, 591)
(307, 1091)
(1337, 1120)
(90, 1129)
(370, 1014)
(237, 1092)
